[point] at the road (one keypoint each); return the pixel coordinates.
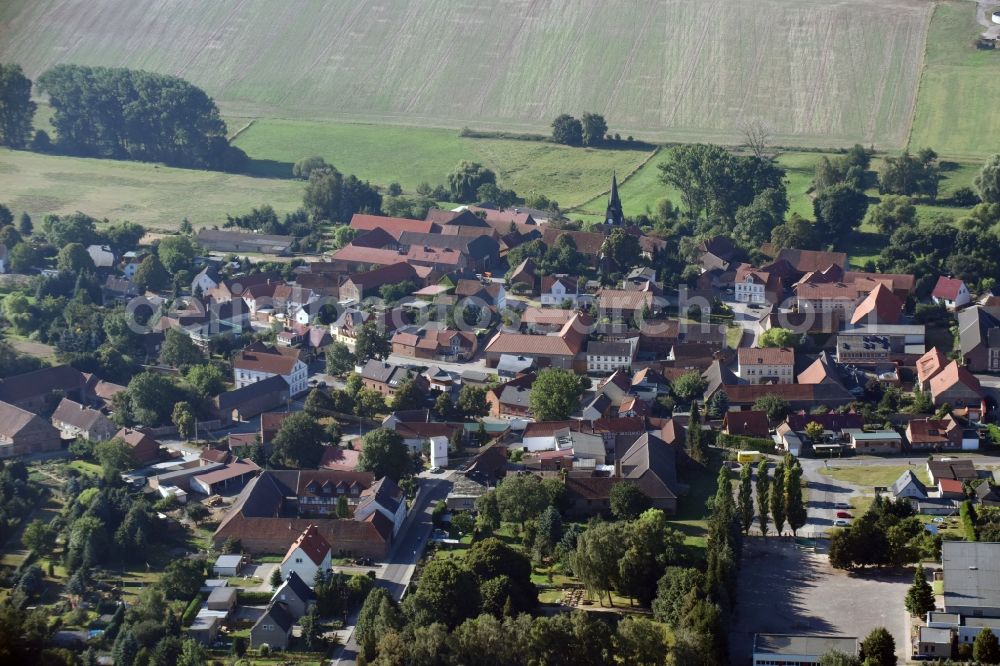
(396, 573)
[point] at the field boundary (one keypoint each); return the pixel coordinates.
(920, 81)
(245, 127)
(649, 158)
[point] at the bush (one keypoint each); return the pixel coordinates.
(191, 611)
(741, 443)
(264, 650)
(247, 598)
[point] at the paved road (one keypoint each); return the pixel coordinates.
(395, 575)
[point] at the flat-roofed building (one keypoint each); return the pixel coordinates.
(971, 578)
(784, 650)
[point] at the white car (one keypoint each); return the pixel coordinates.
(435, 470)
(840, 522)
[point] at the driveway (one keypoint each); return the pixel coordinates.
(784, 589)
(824, 494)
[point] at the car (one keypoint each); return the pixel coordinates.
(841, 523)
(435, 470)
(844, 514)
(842, 505)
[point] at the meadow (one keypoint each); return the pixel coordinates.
(957, 110)
(156, 196)
(821, 73)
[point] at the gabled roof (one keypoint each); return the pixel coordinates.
(312, 544)
(751, 356)
(359, 254)
(14, 419)
(135, 438)
(587, 242)
(76, 415)
(947, 288)
(930, 364)
(569, 282)
(259, 357)
(811, 260)
(951, 376)
(720, 246)
(977, 326)
(297, 586)
(881, 306)
(962, 470)
(905, 479)
(746, 424)
(651, 463)
(624, 299)
(41, 382)
(384, 493)
(821, 370)
(395, 226)
(398, 271)
(279, 614)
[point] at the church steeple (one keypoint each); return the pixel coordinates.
(615, 215)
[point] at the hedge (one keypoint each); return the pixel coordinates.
(741, 443)
(191, 612)
(253, 598)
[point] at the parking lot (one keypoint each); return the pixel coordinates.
(788, 590)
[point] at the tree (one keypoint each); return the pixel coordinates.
(446, 592)
(192, 654)
(384, 454)
(17, 111)
(777, 337)
(24, 225)
(176, 253)
(339, 359)
(443, 407)
(985, 648)
(689, 386)
(838, 658)
(695, 444)
(594, 127)
(179, 351)
(878, 648)
(839, 210)
(488, 511)
(814, 431)
(39, 537)
(304, 167)
(672, 591)
(776, 408)
(622, 248)
(757, 221)
(379, 614)
(323, 194)
(521, 497)
(19, 313)
(550, 531)
(148, 399)
(206, 379)
(795, 510)
(491, 558)
(276, 579)
(23, 258)
(717, 405)
(371, 343)
(466, 180)
(182, 578)
(763, 488)
(567, 130)
(910, 174)
(408, 396)
(598, 552)
(183, 418)
(756, 135)
(472, 402)
(299, 442)
(893, 212)
(115, 457)
(628, 501)
(777, 498)
(555, 394)
(369, 402)
(150, 275)
(920, 596)
(987, 182)
(745, 498)
(642, 642)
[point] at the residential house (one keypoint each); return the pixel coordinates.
(439, 379)
(385, 377)
(236, 286)
(717, 252)
(260, 361)
(483, 294)
(625, 304)
(881, 306)
(225, 240)
(118, 289)
(296, 594)
(273, 628)
(75, 420)
(874, 441)
(649, 383)
(956, 386)
(362, 285)
(633, 407)
(207, 279)
(145, 449)
(24, 433)
(753, 285)
(562, 350)
(805, 261)
(511, 399)
(908, 486)
(935, 643)
(560, 288)
(545, 320)
(767, 365)
(40, 390)
(979, 333)
(746, 424)
(936, 434)
(280, 503)
(928, 366)
(951, 293)
(604, 357)
(385, 498)
(309, 554)
(395, 226)
(480, 253)
(102, 256)
(523, 278)
(244, 403)
(348, 325)
(434, 343)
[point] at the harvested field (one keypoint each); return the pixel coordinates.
(821, 73)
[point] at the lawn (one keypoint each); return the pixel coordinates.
(957, 112)
(384, 154)
(873, 475)
(149, 194)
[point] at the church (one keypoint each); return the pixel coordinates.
(615, 216)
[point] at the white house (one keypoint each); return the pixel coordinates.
(769, 365)
(206, 280)
(951, 292)
(385, 497)
(259, 362)
(307, 555)
(557, 289)
(606, 357)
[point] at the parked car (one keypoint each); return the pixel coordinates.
(841, 523)
(844, 514)
(842, 505)
(435, 470)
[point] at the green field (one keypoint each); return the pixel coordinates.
(873, 475)
(958, 113)
(820, 73)
(156, 196)
(409, 156)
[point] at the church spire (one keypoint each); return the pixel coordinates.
(614, 215)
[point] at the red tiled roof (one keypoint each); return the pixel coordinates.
(622, 299)
(546, 316)
(885, 305)
(366, 255)
(395, 226)
(312, 544)
(947, 288)
(766, 356)
(746, 424)
(260, 358)
(568, 342)
(811, 260)
(930, 364)
(950, 485)
(952, 375)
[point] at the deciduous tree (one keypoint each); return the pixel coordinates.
(299, 442)
(555, 394)
(628, 501)
(567, 130)
(987, 181)
(878, 648)
(17, 111)
(384, 454)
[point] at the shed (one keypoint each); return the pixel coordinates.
(222, 599)
(228, 565)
